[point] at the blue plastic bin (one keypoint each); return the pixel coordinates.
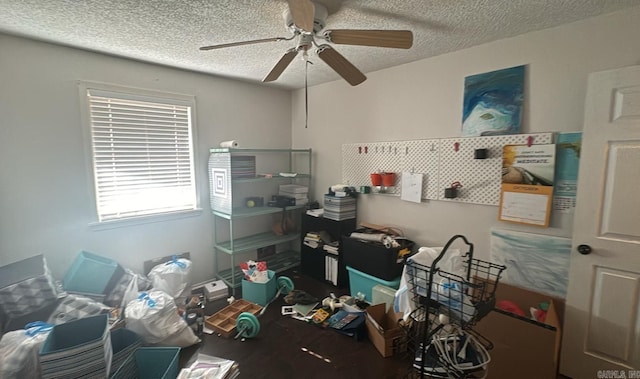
(359, 282)
(92, 274)
(151, 363)
(260, 293)
(124, 344)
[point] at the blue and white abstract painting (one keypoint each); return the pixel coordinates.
(493, 102)
(534, 261)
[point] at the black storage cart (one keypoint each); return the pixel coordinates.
(446, 305)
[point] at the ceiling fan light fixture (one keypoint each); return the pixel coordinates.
(305, 55)
(305, 41)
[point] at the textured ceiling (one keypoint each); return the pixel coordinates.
(169, 32)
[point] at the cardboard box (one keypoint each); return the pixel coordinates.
(383, 330)
(523, 348)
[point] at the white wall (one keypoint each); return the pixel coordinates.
(45, 187)
(423, 100)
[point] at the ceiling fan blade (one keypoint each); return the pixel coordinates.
(282, 64)
(274, 39)
(341, 65)
(302, 12)
(400, 39)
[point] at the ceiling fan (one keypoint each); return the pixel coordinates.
(307, 21)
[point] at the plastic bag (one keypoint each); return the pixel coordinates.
(452, 262)
(115, 298)
(255, 271)
(19, 351)
(131, 292)
(154, 316)
(209, 367)
(173, 277)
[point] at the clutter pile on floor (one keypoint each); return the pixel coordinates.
(101, 320)
(344, 314)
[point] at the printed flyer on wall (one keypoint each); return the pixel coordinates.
(566, 181)
(527, 184)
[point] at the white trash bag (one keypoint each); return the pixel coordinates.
(19, 351)
(154, 316)
(116, 298)
(173, 277)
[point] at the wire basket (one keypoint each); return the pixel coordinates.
(446, 305)
(452, 297)
(460, 298)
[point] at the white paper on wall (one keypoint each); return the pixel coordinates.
(411, 187)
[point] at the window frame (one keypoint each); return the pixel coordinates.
(140, 94)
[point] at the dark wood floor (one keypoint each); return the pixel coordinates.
(277, 352)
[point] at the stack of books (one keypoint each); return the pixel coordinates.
(339, 208)
(243, 166)
(317, 239)
(331, 269)
(312, 239)
(331, 247)
(298, 192)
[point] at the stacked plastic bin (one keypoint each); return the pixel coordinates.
(371, 263)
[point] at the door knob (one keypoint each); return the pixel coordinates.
(584, 249)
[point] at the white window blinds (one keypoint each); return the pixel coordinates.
(142, 155)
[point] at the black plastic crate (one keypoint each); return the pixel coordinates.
(374, 258)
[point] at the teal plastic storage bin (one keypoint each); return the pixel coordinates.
(260, 293)
(124, 344)
(151, 363)
(77, 349)
(359, 282)
(92, 274)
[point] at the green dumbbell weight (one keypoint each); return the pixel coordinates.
(247, 325)
(285, 285)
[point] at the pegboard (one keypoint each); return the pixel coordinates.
(361, 159)
(439, 162)
(423, 157)
(480, 178)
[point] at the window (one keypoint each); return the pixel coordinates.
(142, 153)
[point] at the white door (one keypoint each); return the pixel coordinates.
(602, 319)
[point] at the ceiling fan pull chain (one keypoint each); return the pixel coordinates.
(306, 95)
